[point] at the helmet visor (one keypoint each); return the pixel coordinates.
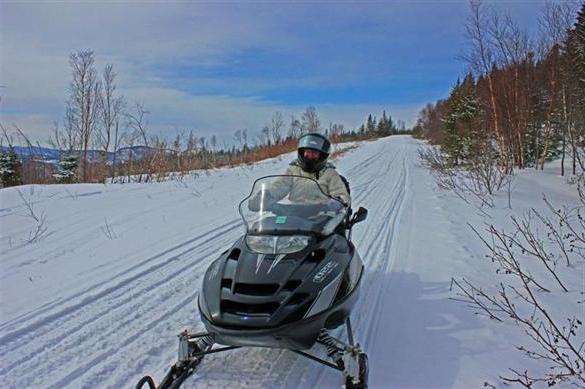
(315, 143)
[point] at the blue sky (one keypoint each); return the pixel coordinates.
(215, 67)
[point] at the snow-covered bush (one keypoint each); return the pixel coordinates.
(475, 181)
(539, 262)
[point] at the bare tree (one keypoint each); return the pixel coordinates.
(482, 59)
(310, 120)
(213, 142)
(238, 138)
(510, 42)
(276, 125)
(554, 22)
(295, 127)
(66, 138)
(138, 122)
(264, 136)
(111, 109)
(82, 107)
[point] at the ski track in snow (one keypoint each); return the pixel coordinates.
(115, 330)
(94, 317)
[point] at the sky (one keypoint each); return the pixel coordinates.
(216, 67)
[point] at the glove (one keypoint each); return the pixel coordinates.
(255, 202)
(333, 204)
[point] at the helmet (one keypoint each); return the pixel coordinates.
(317, 142)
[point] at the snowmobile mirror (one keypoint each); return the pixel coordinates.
(359, 216)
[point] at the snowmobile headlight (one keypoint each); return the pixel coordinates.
(292, 244)
(270, 244)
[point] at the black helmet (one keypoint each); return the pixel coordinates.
(317, 142)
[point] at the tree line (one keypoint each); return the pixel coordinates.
(523, 99)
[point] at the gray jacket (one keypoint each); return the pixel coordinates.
(328, 179)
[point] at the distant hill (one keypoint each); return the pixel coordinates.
(43, 153)
(54, 155)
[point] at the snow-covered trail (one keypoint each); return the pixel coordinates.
(84, 308)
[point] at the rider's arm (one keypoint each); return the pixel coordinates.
(337, 188)
(281, 186)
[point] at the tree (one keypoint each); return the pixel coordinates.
(310, 120)
(276, 125)
(371, 125)
(238, 138)
(385, 125)
(461, 124)
(82, 106)
(265, 136)
(138, 122)
(111, 111)
(10, 168)
(482, 59)
(295, 128)
(67, 169)
(575, 47)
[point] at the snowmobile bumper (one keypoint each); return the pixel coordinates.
(300, 335)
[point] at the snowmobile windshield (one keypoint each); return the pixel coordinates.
(290, 205)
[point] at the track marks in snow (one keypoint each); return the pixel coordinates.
(380, 261)
(93, 293)
(88, 327)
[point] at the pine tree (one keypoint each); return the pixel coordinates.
(67, 170)
(459, 122)
(576, 58)
(391, 126)
(371, 125)
(10, 168)
(384, 125)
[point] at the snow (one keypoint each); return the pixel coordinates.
(98, 299)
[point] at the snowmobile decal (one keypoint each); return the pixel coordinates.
(324, 272)
(275, 262)
(325, 296)
(259, 260)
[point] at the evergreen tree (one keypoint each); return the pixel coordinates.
(460, 122)
(384, 125)
(67, 170)
(576, 59)
(391, 126)
(371, 125)
(9, 168)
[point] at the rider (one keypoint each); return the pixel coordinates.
(312, 154)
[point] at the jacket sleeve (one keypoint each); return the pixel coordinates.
(337, 188)
(281, 186)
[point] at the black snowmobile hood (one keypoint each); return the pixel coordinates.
(245, 289)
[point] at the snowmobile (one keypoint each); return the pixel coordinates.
(286, 283)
